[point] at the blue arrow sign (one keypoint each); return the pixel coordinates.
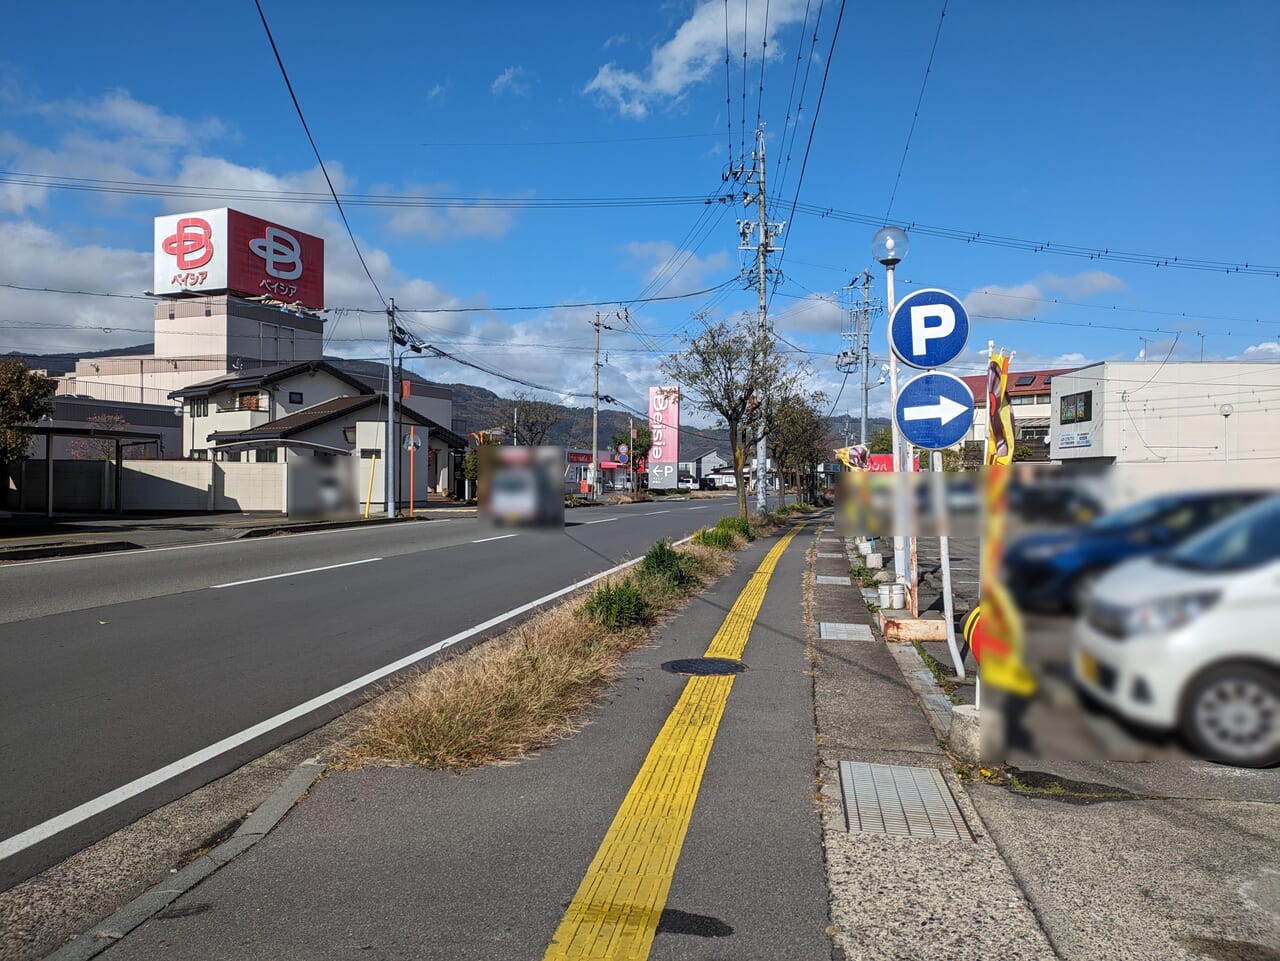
(929, 328)
(934, 410)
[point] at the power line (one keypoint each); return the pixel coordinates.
(1045, 246)
(145, 188)
(513, 307)
(564, 143)
(804, 86)
(316, 150)
(764, 51)
(728, 94)
(826, 70)
(916, 116)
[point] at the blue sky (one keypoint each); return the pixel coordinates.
(1145, 127)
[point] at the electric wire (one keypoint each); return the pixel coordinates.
(916, 115)
(316, 150)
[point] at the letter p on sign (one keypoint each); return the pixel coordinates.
(922, 331)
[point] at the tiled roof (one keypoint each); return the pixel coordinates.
(1021, 383)
(313, 416)
(266, 375)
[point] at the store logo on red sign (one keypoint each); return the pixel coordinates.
(282, 253)
(191, 243)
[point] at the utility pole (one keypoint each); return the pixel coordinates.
(765, 234)
(595, 415)
(389, 458)
(1200, 334)
(864, 329)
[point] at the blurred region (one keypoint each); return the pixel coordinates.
(522, 486)
(934, 503)
(1129, 613)
(321, 487)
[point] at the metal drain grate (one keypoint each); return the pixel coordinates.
(833, 579)
(828, 554)
(830, 631)
(902, 801)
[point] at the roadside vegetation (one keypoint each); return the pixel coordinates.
(529, 687)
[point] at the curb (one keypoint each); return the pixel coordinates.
(65, 550)
(110, 930)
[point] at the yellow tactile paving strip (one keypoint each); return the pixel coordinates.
(615, 912)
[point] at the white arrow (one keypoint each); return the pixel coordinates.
(945, 411)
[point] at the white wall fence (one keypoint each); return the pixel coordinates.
(86, 485)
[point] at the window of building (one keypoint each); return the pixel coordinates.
(1033, 433)
(1026, 380)
(233, 455)
(266, 456)
(295, 397)
(200, 407)
(1028, 399)
(197, 454)
(248, 400)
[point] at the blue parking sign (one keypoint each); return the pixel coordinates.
(929, 328)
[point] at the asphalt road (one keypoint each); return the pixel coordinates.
(114, 668)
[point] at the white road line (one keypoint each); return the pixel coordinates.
(190, 547)
(702, 508)
(500, 537)
(310, 570)
(68, 819)
(651, 513)
(605, 520)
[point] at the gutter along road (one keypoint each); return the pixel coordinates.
(128, 680)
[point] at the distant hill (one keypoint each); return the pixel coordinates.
(477, 408)
(65, 363)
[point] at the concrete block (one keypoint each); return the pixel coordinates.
(965, 737)
(908, 629)
(874, 562)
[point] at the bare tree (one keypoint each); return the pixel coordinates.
(801, 436)
(98, 448)
(735, 372)
(534, 418)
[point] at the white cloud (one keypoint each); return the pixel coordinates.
(436, 92)
(815, 314)
(1084, 284)
(36, 256)
(449, 223)
(617, 40)
(673, 271)
(1267, 351)
(994, 302)
(693, 53)
(514, 80)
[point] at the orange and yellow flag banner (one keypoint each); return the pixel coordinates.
(999, 412)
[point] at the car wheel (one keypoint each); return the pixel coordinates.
(1231, 714)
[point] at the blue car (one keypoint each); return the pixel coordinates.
(1055, 569)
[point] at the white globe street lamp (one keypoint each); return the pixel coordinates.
(889, 246)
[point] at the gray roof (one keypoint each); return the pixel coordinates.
(262, 376)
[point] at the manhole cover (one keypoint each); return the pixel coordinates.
(704, 666)
(906, 801)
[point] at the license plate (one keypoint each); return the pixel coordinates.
(1088, 667)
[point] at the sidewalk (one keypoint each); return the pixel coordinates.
(29, 536)
(828, 823)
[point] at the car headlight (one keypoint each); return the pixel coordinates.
(1167, 613)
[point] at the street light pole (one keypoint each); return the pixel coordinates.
(889, 247)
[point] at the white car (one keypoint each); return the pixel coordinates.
(1187, 640)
